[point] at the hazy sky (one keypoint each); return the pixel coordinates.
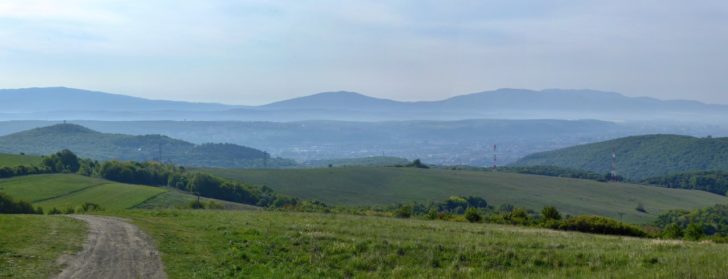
(253, 52)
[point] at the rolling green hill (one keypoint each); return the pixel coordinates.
(640, 157)
(101, 146)
(67, 190)
(14, 160)
(386, 186)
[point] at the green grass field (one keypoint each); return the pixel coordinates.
(263, 244)
(12, 160)
(67, 190)
(31, 244)
(386, 186)
(111, 196)
(36, 188)
(175, 199)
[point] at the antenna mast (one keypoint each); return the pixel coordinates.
(495, 157)
(613, 173)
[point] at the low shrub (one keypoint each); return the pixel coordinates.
(9, 205)
(472, 215)
(598, 225)
(403, 212)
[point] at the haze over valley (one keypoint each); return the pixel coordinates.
(363, 139)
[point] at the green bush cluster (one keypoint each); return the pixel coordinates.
(709, 222)
(597, 225)
(9, 205)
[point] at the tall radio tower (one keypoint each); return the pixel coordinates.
(495, 157)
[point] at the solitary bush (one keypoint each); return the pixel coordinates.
(598, 225)
(550, 213)
(8, 205)
(472, 215)
(694, 232)
(69, 210)
(54, 211)
(197, 205)
(89, 206)
(403, 212)
(214, 205)
(672, 231)
(432, 214)
(640, 208)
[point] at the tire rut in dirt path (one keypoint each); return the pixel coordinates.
(114, 249)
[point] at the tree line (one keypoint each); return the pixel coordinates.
(710, 181)
(155, 174)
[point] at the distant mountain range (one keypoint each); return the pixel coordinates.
(58, 103)
(640, 157)
(88, 143)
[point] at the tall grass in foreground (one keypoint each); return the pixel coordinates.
(204, 244)
(31, 244)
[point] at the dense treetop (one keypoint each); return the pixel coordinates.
(640, 157)
(102, 146)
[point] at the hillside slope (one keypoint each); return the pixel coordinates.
(13, 160)
(101, 146)
(388, 186)
(68, 190)
(640, 157)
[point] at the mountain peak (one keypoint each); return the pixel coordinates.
(64, 128)
(333, 100)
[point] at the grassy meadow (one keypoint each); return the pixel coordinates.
(110, 196)
(69, 190)
(14, 160)
(174, 198)
(31, 244)
(36, 188)
(387, 186)
(264, 244)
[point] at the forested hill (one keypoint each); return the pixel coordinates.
(101, 146)
(640, 157)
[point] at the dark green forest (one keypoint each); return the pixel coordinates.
(709, 181)
(88, 143)
(639, 157)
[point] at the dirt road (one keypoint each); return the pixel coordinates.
(114, 249)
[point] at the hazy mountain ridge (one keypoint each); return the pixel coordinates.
(63, 99)
(60, 103)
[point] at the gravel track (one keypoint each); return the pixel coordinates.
(114, 249)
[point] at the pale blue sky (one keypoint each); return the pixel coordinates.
(253, 52)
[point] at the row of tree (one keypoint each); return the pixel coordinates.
(158, 174)
(709, 181)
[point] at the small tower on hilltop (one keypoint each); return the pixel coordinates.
(613, 172)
